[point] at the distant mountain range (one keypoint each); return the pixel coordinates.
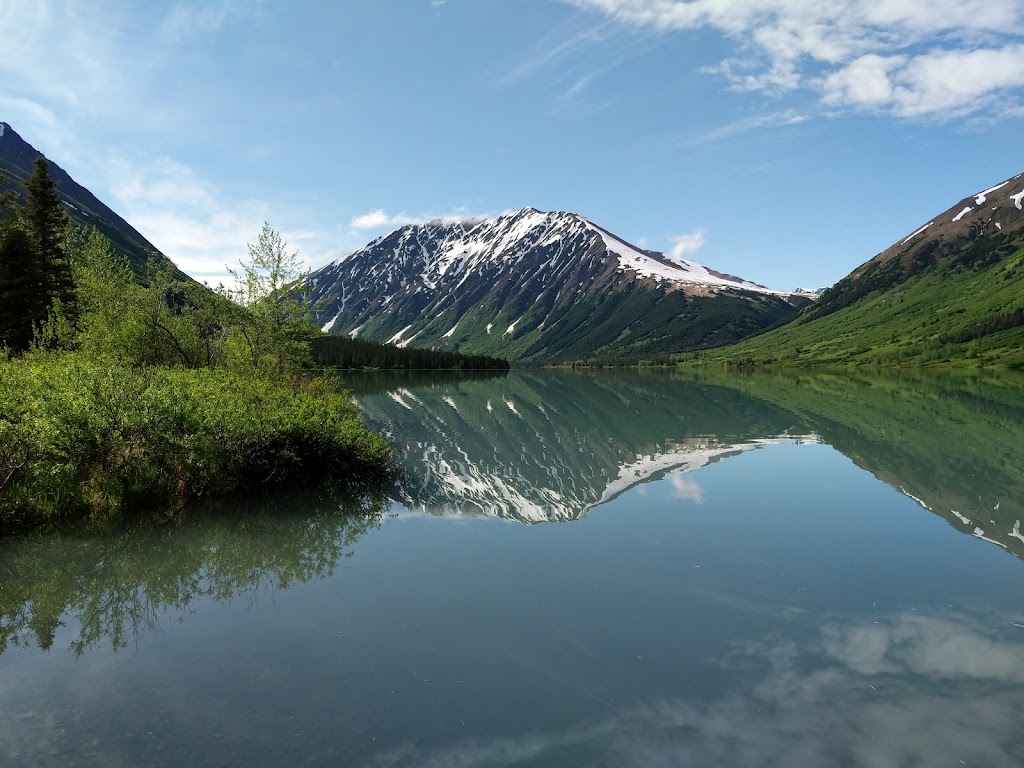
(950, 293)
(537, 285)
(17, 158)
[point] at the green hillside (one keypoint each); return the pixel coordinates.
(575, 327)
(922, 307)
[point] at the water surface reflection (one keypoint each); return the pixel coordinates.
(759, 571)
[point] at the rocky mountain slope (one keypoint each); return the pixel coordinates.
(951, 292)
(534, 285)
(17, 158)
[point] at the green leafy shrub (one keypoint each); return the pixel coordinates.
(76, 436)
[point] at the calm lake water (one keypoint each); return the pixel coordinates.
(576, 570)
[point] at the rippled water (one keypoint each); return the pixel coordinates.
(617, 570)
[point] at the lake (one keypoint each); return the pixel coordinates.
(574, 569)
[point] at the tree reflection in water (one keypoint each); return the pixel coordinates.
(121, 584)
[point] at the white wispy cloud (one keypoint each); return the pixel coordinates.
(688, 243)
(187, 21)
(184, 216)
(556, 46)
(378, 219)
(936, 59)
(953, 82)
(748, 124)
(686, 488)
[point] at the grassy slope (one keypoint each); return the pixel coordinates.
(909, 323)
(640, 323)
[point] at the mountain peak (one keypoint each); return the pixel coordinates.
(532, 283)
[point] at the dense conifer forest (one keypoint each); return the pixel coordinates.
(343, 352)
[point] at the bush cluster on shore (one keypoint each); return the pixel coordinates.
(114, 393)
(80, 437)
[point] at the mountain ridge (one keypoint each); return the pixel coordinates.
(950, 293)
(17, 158)
(499, 286)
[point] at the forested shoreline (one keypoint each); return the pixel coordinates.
(116, 393)
(348, 353)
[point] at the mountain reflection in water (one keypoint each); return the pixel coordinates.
(537, 447)
(549, 446)
(743, 590)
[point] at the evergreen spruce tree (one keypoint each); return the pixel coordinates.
(22, 300)
(46, 222)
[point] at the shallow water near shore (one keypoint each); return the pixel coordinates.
(574, 569)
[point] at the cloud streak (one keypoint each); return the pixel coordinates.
(379, 219)
(778, 119)
(941, 59)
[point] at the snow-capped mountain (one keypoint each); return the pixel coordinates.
(532, 284)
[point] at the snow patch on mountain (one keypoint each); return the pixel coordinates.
(979, 533)
(405, 342)
(980, 198)
(1016, 531)
(915, 234)
(330, 323)
(398, 336)
(676, 271)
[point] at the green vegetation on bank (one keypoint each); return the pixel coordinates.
(127, 393)
(348, 353)
(965, 310)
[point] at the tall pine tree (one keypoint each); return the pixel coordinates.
(34, 267)
(22, 298)
(46, 222)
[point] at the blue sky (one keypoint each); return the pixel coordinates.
(785, 141)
